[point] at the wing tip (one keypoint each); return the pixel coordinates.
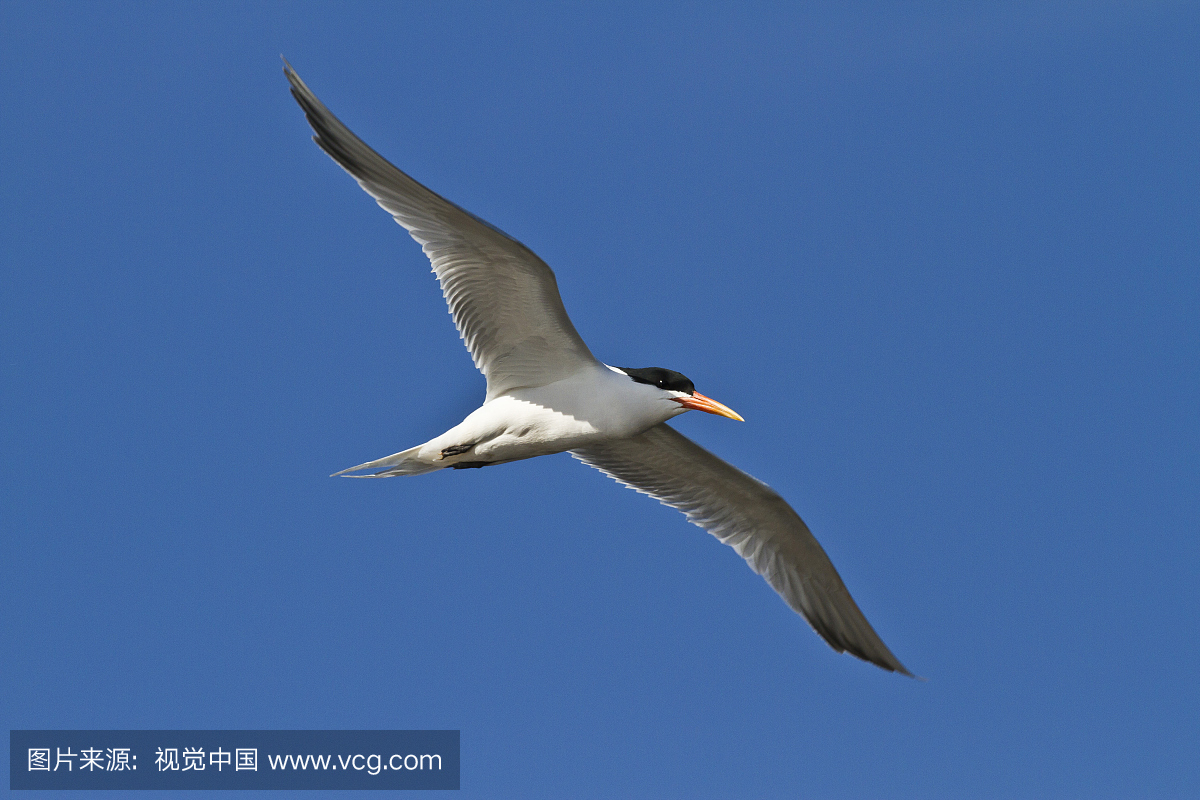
(290, 72)
(884, 660)
(900, 669)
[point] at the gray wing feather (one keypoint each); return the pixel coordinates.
(754, 520)
(503, 298)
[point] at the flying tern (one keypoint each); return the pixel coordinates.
(547, 393)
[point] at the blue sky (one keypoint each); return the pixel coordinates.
(943, 259)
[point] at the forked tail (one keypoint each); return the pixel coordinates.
(403, 463)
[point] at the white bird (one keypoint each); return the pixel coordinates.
(547, 393)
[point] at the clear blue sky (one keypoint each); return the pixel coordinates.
(943, 259)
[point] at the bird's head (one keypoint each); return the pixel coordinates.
(678, 389)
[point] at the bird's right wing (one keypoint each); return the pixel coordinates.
(754, 520)
(504, 299)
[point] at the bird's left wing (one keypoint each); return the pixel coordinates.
(504, 299)
(754, 520)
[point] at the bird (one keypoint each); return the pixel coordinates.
(547, 393)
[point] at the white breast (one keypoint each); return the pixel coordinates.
(587, 407)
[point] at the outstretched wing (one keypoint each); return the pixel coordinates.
(754, 520)
(504, 299)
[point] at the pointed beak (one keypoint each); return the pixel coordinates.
(699, 402)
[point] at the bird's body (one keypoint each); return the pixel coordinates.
(591, 406)
(547, 393)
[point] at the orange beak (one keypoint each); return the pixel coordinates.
(699, 402)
